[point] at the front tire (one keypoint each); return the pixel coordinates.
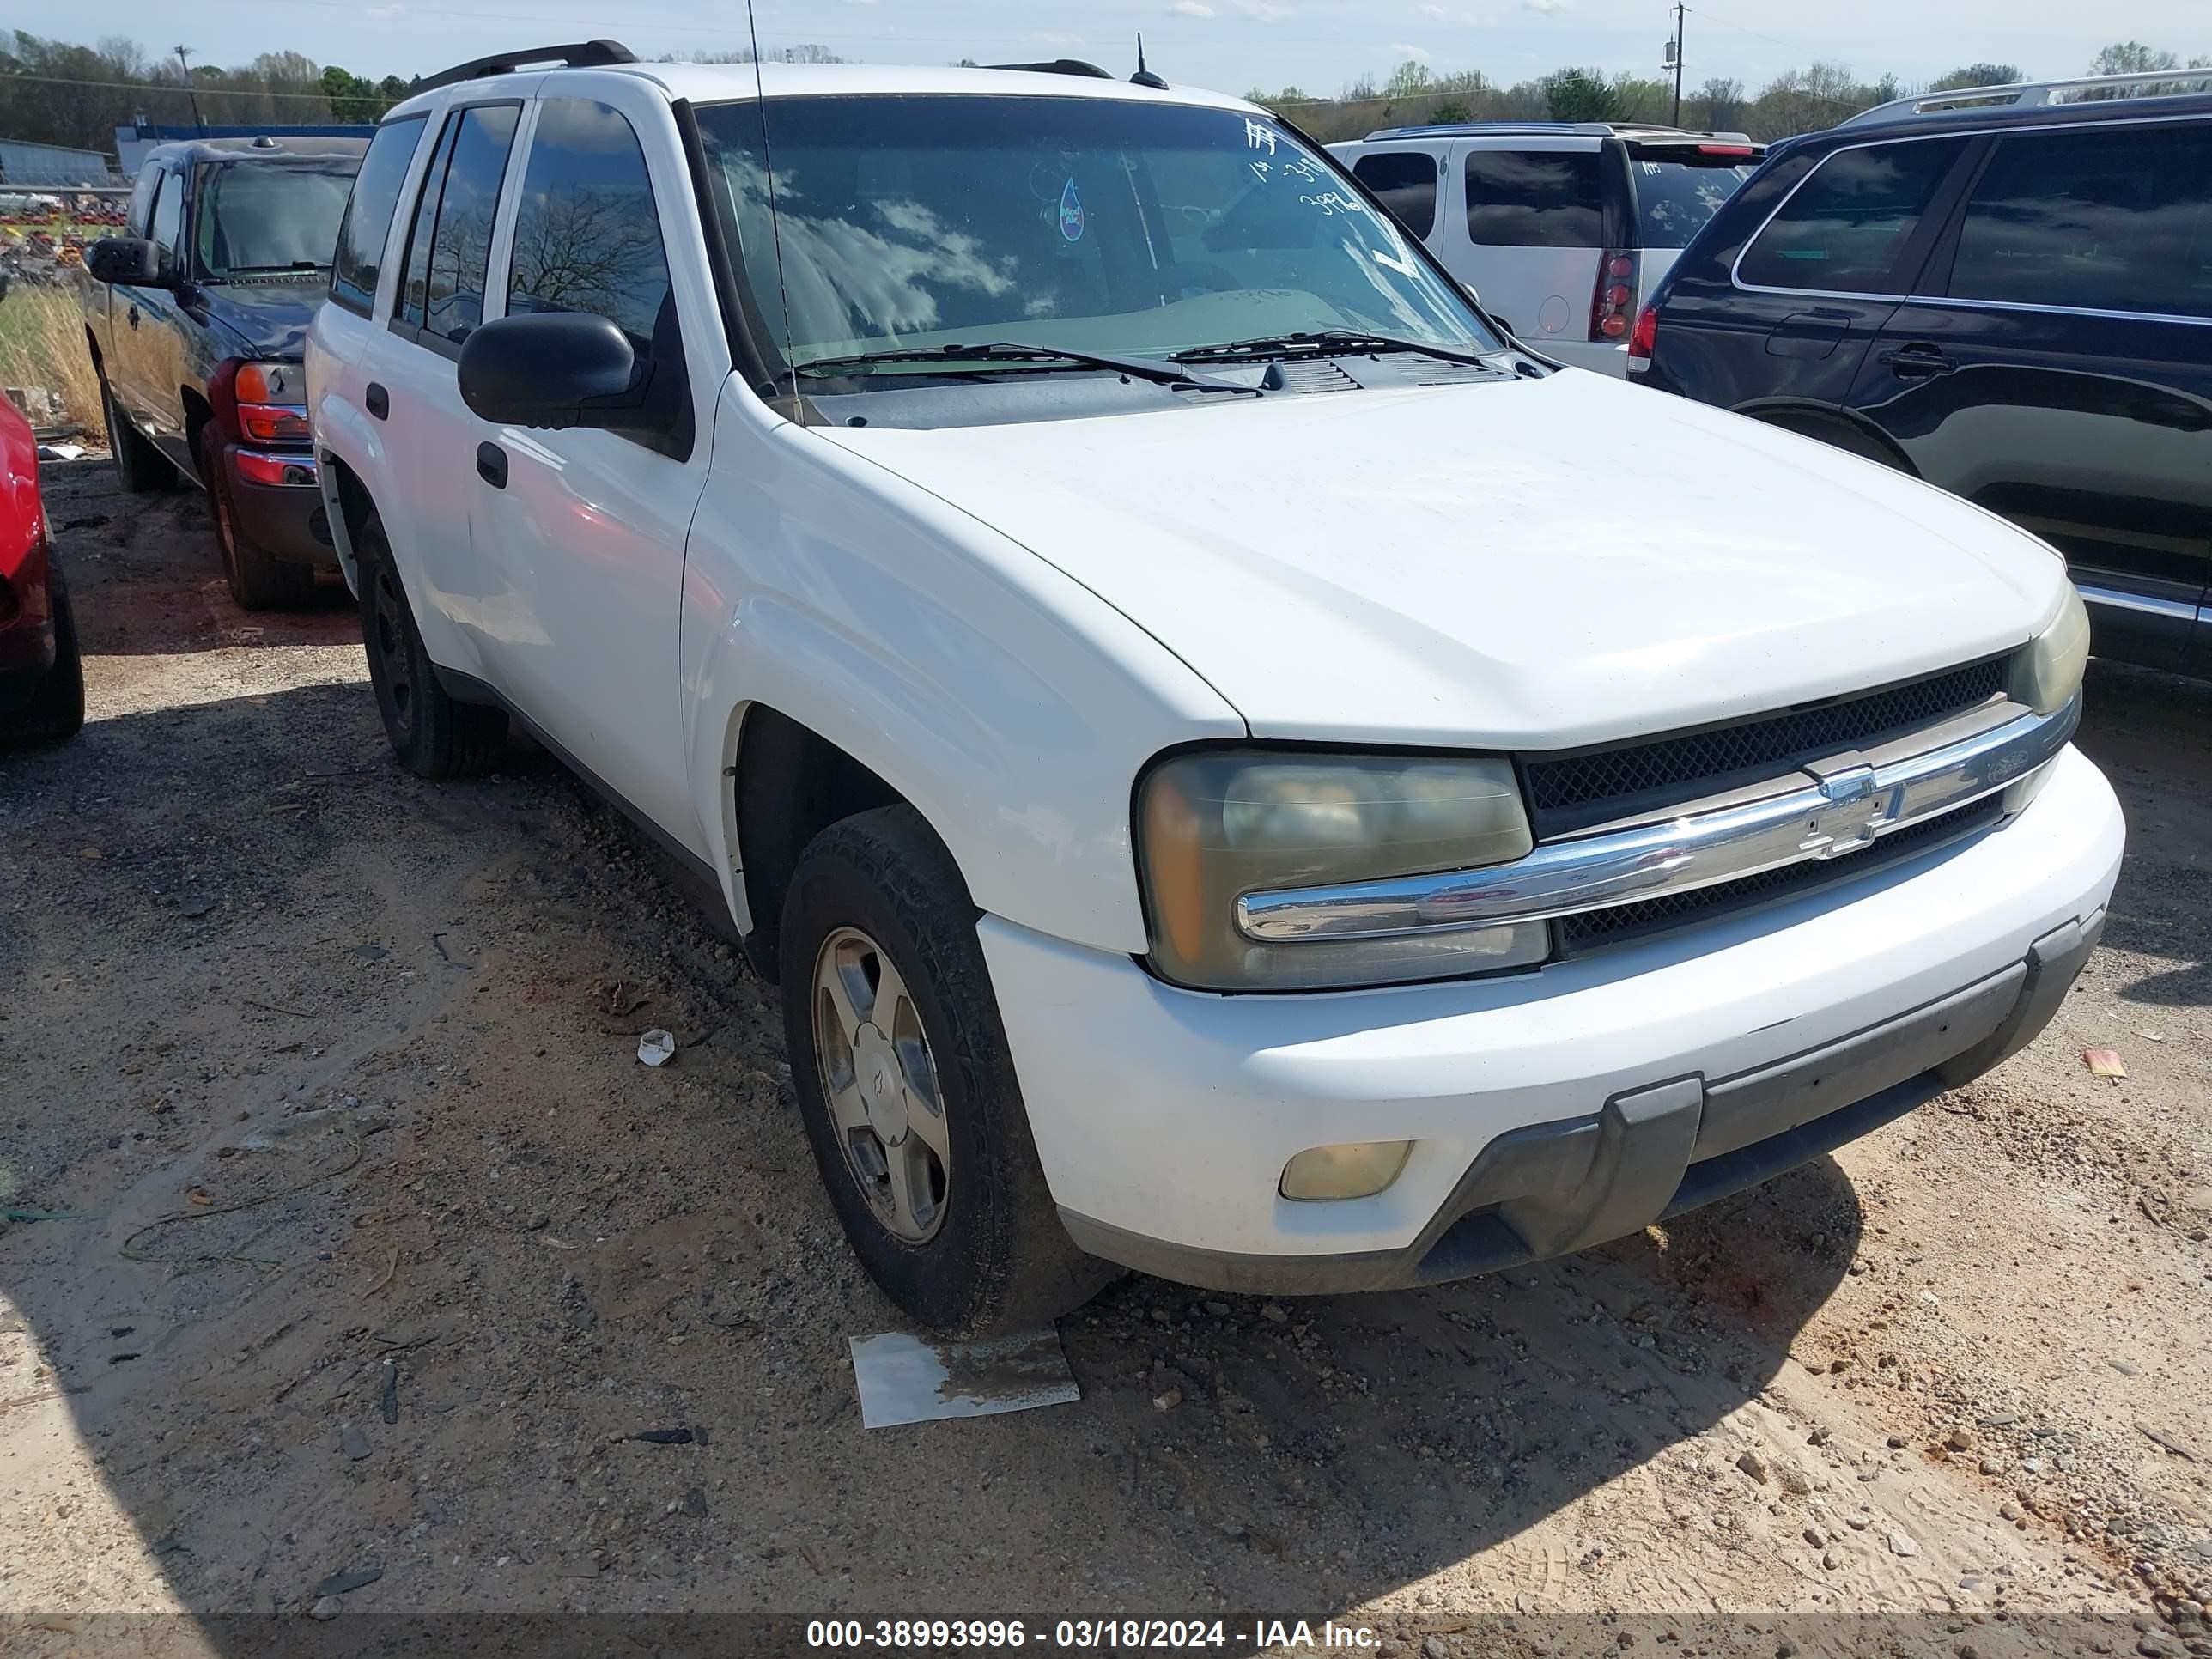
(258, 580)
(907, 1087)
(140, 468)
(56, 711)
(435, 735)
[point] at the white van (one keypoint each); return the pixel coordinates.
(1561, 228)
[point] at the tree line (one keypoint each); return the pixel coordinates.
(1796, 100)
(55, 91)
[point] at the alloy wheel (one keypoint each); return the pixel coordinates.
(881, 1079)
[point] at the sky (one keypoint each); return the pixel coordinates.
(1230, 46)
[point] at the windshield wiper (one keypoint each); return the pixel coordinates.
(264, 270)
(1166, 373)
(1328, 342)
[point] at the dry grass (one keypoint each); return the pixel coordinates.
(42, 345)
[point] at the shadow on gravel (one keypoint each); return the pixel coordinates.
(2152, 734)
(1311, 1455)
(146, 573)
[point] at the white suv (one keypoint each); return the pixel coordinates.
(1561, 228)
(1232, 778)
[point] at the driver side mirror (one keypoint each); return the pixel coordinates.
(552, 370)
(131, 260)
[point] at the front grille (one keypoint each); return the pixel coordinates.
(1595, 929)
(1568, 793)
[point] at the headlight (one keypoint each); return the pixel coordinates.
(1215, 825)
(2049, 672)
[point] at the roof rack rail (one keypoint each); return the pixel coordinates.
(1579, 128)
(582, 54)
(2031, 95)
(1058, 66)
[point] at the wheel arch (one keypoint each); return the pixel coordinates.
(1831, 423)
(787, 783)
(347, 504)
(198, 412)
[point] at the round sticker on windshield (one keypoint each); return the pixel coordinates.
(1070, 214)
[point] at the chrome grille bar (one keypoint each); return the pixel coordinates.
(1845, 805)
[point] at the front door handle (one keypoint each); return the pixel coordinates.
(491, 465)
(131, 316)
(1918, 363)
(379, 401)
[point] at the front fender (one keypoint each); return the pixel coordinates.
(1012, 707)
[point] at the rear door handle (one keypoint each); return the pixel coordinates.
(132, 317)
(491, 465)
(379, 401)
(1918, 363)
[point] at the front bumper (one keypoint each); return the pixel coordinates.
(289, 519)
(1554, 1110)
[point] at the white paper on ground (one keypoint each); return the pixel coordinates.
(903, 1379)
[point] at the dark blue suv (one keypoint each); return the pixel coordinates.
(2005, 294)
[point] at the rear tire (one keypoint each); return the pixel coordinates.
(140, 468)
(258, 580)
(55, 713)
(926, 1096)
(435, 735)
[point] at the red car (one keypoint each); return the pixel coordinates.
(41, 678)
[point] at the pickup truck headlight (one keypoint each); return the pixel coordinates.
(2048, 673)
(1215, 825)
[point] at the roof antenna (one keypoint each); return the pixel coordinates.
(776, 224)
(1143, 77)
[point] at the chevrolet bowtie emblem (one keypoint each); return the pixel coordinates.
(1849, 819)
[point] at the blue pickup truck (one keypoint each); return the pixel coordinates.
(196, 317)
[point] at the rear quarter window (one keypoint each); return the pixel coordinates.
(1846, 226)
(1535, 198)
(1674, 198)
(2110, 220)
(1405, 181)
(367, 226)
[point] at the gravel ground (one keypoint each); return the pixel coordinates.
(382, 1247)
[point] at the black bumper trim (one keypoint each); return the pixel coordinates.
(288, 519)
(1652, 1153)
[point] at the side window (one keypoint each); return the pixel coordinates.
(367, 222)
(1844, 227)
(142, 201)
(415, 286)
(1535, 198)
(1406, 180)
(2108, 220)
(169, 219)
(461, 249)
(587, 235)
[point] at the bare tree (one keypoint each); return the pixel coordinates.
(1977, 74)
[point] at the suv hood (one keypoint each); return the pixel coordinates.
(1528, 564)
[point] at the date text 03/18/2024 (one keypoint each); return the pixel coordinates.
(1255, 1635)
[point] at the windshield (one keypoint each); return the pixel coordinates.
(1674, 199)
(258, 216)
(1097, 224)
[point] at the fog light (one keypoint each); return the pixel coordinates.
(1360, 1169)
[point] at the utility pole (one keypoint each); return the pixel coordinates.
(1679, 9)
(189, 91)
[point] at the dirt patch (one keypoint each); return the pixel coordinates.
(387, 1252)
